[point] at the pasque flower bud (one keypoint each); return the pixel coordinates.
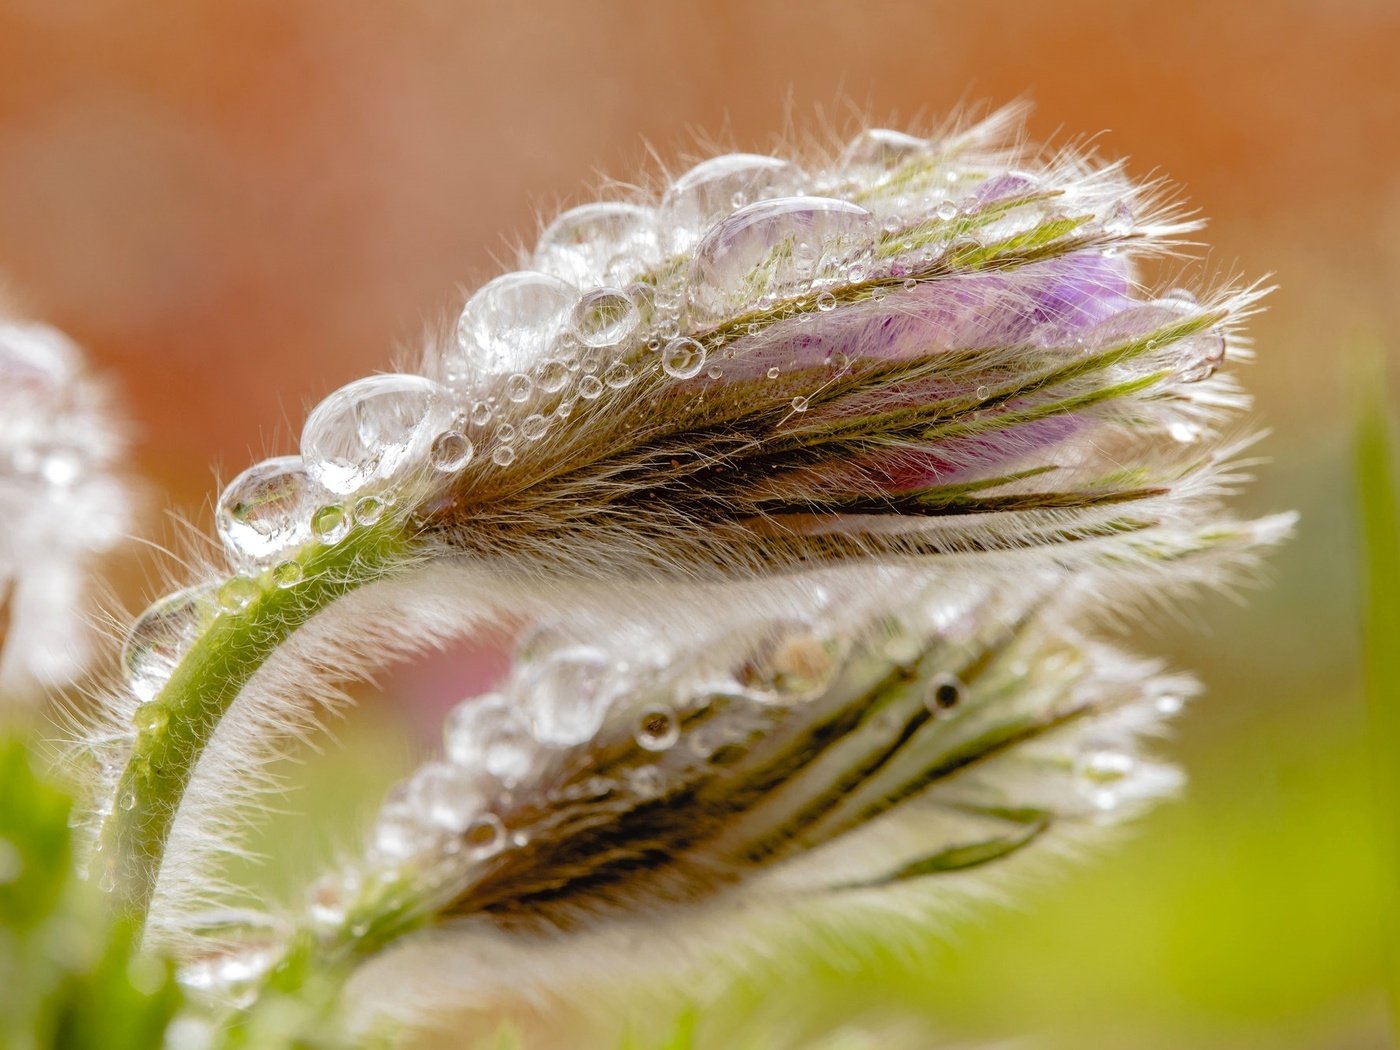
(815, 479)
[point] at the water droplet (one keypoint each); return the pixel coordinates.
(505, 433)
(565, 693)
(503, 455)
(597, 244)
(452, 450)
(682, 358)
(657, 729)
(511, 322)
(265, 511)
(1119, 221)
(946, 211)
(399, 833)
(882, 148)
(945, 692)
(605, 317)
(646, 781)
(1170, 704)
(326, 902)
(287, 573)
(482, 413)
(799, 404)
(791, 665)
(774, 372)
(983, 392)
(910, 284)
(826, 302)
(774, 248)
(237, 593)
(552, 376)
(1184, 431)
(128, 800)
(159, 637)
(590, 387)
(1100, 771)
(1200, 355)
(618, 375)
(330, 524)
(532, 427)
(485, 836)
(490, 733)
(715, 187)
(447, 795)
(518, 387)
(373, 430)
(368, 510)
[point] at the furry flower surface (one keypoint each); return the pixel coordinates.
(816, 478)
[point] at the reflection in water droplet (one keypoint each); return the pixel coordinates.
(265, 511)
(330, 524)
(774, 248)
(682, 358)
(882, 148)
(159, 637)
(373, 430)
(237, 593)
(510, 323)
(287, 574)
(715, 187)
(452, 450)
(605, 317)
(599, 244)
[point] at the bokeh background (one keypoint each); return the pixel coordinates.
(236, 207)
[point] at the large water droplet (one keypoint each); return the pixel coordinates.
(715, 187)
(608, 243)
(774, 248)
(605, 317)
(565, 693)
(266, 510)
(160, 636)
(373, 430)
(447, 795)
(882, 148)
(510, 323)
(489, 732)
(399, 833)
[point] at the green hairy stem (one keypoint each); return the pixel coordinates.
(177, 725)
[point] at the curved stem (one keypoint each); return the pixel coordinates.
(178, 724)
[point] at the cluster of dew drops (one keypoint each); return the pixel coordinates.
(616, 290)
(505, 747)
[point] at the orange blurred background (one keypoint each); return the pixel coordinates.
(237, 207)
